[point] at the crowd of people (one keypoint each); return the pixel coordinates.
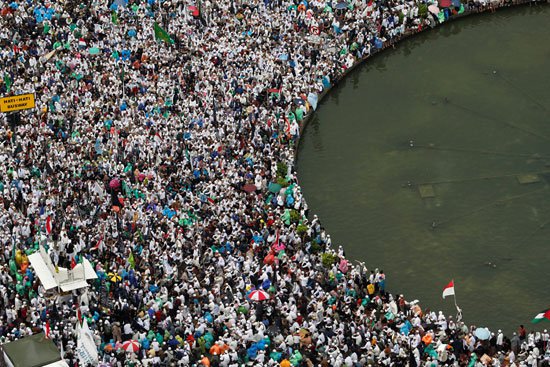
(161, 149)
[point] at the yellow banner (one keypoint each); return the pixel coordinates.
(16, 103)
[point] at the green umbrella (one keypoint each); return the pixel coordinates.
(274, 187)
(93, 51)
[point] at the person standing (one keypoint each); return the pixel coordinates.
(515, 343)
(500, 340)
(545, 338)
(522, 333)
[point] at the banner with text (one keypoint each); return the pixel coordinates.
(17, 103)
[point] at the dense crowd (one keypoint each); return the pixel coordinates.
(167, 162)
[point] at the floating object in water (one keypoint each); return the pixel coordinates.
(426, 191)
(528, 179)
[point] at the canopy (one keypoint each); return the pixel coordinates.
(33, 351)
(43, 267)
(66, 279)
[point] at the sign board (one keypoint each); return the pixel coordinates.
(17, 103)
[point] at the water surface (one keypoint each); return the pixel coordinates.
(474, 98)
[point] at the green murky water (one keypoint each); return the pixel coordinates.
(474, 97)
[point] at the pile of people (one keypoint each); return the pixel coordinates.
(161, 149)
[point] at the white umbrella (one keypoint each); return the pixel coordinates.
(433, 9)
(258, 295)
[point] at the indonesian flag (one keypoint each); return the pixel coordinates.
(79, 314)
(370, 7)
(49, 225)
(98, 244)
(449, 290)
(544, 315)
(47, 329)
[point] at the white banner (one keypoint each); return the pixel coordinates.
(86, 349)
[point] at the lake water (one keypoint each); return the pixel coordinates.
(473, 99)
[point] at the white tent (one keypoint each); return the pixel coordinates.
(63, 278)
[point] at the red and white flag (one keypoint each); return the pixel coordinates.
(99, 244)
(78, 313)
(49, 225)
(47, 329)
(449, 290)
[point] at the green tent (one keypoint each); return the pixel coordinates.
(33, 351)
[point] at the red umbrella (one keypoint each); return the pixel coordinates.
(131, 346)
(258, 295)
(249, 188)
(194, 10)
(269, 259)
(115, 183)
(444, 3)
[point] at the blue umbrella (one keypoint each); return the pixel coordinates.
(266, 284)
(482, 333)
(173, 342)
(341, 5)
(118, 4)
(456, 3)
(125, 54)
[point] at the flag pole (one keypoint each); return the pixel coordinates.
(454, 295)
(458, 309)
